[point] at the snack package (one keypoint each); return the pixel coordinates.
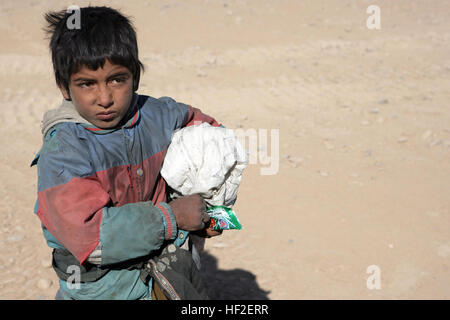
(223, 218)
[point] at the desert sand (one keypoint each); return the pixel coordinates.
(363, 123)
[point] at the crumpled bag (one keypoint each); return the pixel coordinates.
(206, 160)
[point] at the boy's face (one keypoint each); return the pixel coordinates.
(101, 96)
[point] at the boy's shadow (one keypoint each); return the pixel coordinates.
(236, 284)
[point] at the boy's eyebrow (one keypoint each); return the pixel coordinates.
(83, 79)
(120, 73)
(117, 74)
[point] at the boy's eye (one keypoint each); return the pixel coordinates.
(85, 84)
(118, 80)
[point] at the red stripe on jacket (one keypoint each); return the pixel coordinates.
(195, 116)
(72, 212)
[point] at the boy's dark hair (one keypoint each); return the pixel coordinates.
(104, 33)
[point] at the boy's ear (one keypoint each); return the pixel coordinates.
(65, 92)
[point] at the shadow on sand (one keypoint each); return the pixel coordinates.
(236, 284)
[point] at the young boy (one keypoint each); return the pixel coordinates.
(101, 199)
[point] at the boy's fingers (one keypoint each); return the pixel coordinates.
(205, 217)
(208, 233)
(213, 233)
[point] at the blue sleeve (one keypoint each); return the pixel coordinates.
(135, 230)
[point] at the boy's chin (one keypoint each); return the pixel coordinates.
(105, 125)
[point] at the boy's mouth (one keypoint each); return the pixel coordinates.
(106, 116)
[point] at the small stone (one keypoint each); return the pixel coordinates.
(220, 245)
(44, 284)
(435, 142)
(15, 238)
(390, 245)
(383, 101)
(402, 139)
(212, 60)
(444, 250)
(329, 145)
(46, 263)
(426, 134)
(374, 110)
(323, 173)
(296, 162)
(201, 73)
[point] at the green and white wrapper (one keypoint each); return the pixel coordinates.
(223, 218)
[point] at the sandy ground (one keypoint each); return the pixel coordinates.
(364, 140)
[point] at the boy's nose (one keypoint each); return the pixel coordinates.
(104, 97)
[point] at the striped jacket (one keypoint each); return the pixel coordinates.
(102, 189)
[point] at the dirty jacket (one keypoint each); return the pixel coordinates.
(100, 192)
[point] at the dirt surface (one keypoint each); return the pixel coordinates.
(362, 118)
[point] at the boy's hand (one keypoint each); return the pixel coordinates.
(208, 233)
(190, 212)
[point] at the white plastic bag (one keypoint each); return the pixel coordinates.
(206, 160)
